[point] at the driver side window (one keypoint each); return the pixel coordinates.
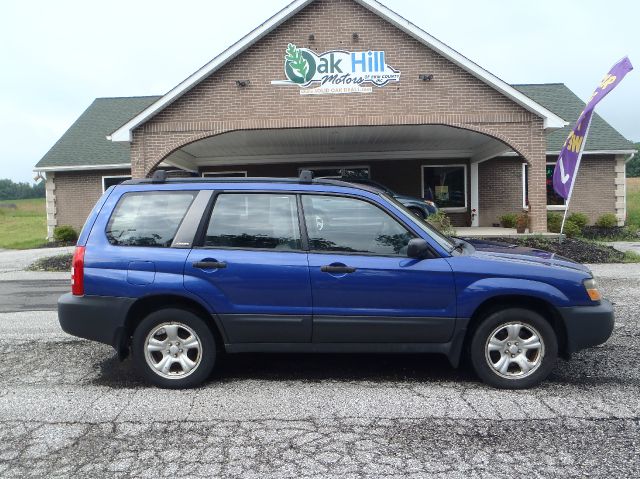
(350, 225)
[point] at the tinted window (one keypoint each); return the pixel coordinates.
(149, 218)
(254, 220)
(352, 226)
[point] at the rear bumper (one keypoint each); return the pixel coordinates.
(98, 318)
(587, 326)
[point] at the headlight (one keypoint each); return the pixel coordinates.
(430, 203)
(592, 289)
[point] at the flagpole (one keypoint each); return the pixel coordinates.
(575, 176)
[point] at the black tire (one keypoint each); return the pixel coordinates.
(495, 325)
(205, 357)
(418, 212)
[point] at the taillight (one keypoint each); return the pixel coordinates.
(77, 272)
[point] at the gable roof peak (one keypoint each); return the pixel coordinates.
(551, 120)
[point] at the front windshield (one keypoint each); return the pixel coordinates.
(445, 241)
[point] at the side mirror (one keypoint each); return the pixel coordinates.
(418, 248)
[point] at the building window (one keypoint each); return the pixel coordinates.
(554, 201)
(108, 181)
(446, 185)
(338, 171)
(224, 174)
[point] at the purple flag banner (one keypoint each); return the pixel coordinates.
(568, 163)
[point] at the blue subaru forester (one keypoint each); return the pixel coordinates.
(178, 271)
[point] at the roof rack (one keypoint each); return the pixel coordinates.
(305, 178)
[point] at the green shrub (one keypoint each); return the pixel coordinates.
(631, 257)
(607, 220)
(65, 234)
(571, 229)
(442, 223)
(631, 232)
(554, 222)
(579, 219)
(508, 220)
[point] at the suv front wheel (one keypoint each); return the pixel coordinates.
(174, 348)
(514, 348)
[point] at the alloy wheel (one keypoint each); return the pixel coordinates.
(173, 350)
(514, 350)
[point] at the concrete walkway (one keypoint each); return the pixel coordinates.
(489, 231)
(626, 246)
(17, 260)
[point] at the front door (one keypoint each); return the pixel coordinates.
(251, 269)
(365, 289)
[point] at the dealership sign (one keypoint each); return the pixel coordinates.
(336, 71)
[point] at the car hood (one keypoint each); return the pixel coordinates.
(521, 253)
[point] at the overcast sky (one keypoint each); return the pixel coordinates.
(58, 56)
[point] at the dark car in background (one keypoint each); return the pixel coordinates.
(419, 207)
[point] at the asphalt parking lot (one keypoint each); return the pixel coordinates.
(69, 408)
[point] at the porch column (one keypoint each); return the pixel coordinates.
(50, 195)
(475, 219)
(537, 191)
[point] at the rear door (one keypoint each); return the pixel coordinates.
(251, 269)
(365, 288)
(129, 252)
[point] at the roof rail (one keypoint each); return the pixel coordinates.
(306, 177)
(159, 176)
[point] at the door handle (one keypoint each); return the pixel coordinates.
(210, 264)
(337, 269)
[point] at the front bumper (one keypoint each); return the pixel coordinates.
(587, 326)
(98, 318)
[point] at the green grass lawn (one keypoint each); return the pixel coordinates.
(25, 226)
(633, 201)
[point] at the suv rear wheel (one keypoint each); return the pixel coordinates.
(174, 348)
(514, 348)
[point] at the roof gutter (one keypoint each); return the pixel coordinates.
(118, 166)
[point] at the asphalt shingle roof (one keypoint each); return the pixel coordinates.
(85, 142)
(564, 103)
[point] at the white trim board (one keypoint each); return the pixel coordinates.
(551, 120)
(598, 152)
(586, 152)
(120, 166)
(334, 157)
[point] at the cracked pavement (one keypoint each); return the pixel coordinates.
(69, 408)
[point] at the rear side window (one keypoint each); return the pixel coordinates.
(148, 218)
(254, 220)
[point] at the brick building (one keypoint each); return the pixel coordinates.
(346, 86)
